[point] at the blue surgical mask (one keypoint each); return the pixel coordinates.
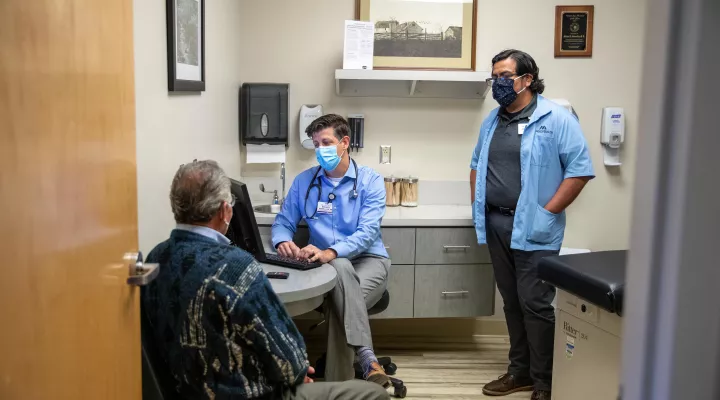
(328, 157)
(503, 91)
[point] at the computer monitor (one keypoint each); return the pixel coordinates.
(243, 231)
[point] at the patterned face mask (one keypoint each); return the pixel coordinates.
(503, 91)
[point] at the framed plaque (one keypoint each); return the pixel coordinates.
(574, 31)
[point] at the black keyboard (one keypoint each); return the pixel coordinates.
(302, 265)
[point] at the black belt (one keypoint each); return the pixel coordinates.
(508, 212)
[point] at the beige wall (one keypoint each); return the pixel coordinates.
(300, 43)
(173, 129)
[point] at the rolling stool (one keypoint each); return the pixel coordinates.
(399, 388)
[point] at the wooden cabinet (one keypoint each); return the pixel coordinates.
(449, 246)
(401, 287)
(453, 290)
(400, 244)
(434, 272)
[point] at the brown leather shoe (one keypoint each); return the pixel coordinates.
(540, 395)
(507, 384)
(377, 375)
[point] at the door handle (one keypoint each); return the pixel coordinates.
(448, 248)
(461, 292)
(140, 274)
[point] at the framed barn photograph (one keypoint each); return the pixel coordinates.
(186, 45)
(422, 34)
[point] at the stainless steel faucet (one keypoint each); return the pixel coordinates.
(276, 200)
(282, 177)
(275, 192)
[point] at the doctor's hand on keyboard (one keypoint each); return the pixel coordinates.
(290, 262)
(289, 250)
(308, 253)
(313, 254)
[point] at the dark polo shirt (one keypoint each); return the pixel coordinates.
(503, 175)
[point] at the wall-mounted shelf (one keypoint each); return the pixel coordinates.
(409, 83)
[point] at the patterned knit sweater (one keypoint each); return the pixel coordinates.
(221, 329)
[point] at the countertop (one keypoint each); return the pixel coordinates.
(420, 216)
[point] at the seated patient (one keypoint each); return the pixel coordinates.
(221, 330)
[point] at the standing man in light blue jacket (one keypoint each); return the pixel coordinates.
(530, 163)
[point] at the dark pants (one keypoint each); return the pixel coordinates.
(528, 306)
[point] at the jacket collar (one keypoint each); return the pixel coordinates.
(350, 173)
(544, 107)
(194, 232)
(524, 113)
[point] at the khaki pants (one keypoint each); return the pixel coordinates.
(350, 390)
(360, 284)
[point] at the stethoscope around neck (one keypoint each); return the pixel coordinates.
(315, 182)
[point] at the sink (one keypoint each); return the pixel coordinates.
(263, 209)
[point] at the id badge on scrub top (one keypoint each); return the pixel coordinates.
(324, 208)
(521, 128)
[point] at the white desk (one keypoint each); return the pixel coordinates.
(302, 291)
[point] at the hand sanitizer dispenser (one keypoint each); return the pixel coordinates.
(612, 134)
(308, 114)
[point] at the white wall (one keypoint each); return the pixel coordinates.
(173, 129)
(302, 45)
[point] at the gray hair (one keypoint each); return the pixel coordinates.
(197, 192)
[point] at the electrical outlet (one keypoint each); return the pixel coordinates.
(385, 154)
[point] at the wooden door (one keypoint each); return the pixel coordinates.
(69, 323)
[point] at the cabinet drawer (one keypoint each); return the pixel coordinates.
(401, 284)
(449, 246)
(302, 236)
(400, 244)
(454, 291)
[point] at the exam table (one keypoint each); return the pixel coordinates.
(588, 323)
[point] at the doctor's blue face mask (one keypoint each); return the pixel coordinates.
(327, 157)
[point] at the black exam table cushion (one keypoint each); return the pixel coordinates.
(596, 277)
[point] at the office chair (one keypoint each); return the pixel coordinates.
(157, 383)
(399, 388)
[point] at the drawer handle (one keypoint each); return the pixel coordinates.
(448, 248)
(455, 292)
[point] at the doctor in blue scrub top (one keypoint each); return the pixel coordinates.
(531, 161)
(343, 204)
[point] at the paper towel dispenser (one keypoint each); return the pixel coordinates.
(264, 113)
